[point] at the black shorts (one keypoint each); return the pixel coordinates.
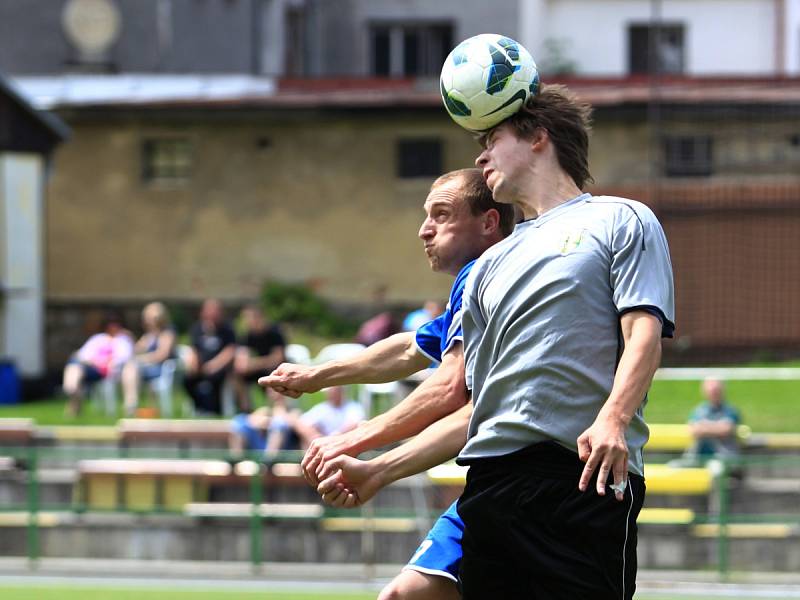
(530, 534)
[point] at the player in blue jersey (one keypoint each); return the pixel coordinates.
(462, 221)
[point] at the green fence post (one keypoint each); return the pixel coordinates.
(723, 548)
(33, 506)
(256, 523)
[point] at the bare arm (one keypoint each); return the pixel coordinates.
(395, 357)
(164, 348)
(724, 428)
(439, 395)
(245, 363)
(351, 482)
(221, 360)
(603, 447)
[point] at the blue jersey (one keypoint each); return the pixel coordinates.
(436, 337)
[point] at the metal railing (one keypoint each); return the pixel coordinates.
(30, 459)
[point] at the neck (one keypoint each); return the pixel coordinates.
(547, 192)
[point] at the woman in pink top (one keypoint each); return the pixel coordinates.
(101, 356)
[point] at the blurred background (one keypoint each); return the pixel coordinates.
(278, 152)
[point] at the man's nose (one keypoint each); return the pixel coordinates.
(425, 230)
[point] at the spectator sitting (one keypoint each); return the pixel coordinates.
(713, 426)
(266, 429)
(260, 350)
(101, 356)
(156, 345)
(417, 318)
(333, 415)
(209, 359)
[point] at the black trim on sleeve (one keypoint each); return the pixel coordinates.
(667, 326)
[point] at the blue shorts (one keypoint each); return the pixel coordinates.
(150, 371)
(440, 552)
(254, 439)
(90, 372)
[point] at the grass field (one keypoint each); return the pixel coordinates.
(81, 593)
(60, 592)
(766, 406)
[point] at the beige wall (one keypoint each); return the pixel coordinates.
(320, 203)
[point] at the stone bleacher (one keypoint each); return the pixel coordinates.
(203, 509)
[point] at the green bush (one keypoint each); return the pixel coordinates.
(298, 304)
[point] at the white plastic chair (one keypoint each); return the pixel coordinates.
(298, 354)
(337, 351)
(162, 386)
(104, 394)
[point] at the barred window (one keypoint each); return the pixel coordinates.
(166, 160)
(688, 156)
(419, 158)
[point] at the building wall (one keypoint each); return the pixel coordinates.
(321, 203)
(314, 197)
(343, 26)
(21, 261)
(193, 37)
(721, 36)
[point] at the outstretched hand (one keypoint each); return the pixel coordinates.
(604, 450)
(292, 380)
(351, 483)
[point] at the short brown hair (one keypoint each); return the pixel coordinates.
(567, 121)
(479, 196)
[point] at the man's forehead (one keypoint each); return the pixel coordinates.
(448, 193)
(490, 135)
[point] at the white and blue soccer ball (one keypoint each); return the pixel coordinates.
(486, 79)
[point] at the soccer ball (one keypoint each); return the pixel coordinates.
(486, 79)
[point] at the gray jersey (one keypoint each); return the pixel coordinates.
(541, 322)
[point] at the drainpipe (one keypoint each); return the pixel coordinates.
(780, 37)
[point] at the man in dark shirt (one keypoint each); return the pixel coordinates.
(213, 344)
(260, 350)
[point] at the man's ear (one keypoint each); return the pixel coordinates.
(540, 139)
(491, 220)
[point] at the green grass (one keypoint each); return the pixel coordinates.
(766, 406)
(101, 593)
(50, 411)
(79, 592)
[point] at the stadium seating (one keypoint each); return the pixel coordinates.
(16, 432)
(181, 433)
(675, 437)
(145, 484)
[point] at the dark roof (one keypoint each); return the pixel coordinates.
(355, 93)
(50, 122)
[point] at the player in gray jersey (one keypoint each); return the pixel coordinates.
(562, 330)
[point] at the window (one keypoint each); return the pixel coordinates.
(166, 160)
(295, 32)
(656, 49)
(419, 158)
(688, 156)
(409, 50)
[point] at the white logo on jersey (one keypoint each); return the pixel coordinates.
(423, 548)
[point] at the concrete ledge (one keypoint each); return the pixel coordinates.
(377, 524)
(748, 530)
(245, 510)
